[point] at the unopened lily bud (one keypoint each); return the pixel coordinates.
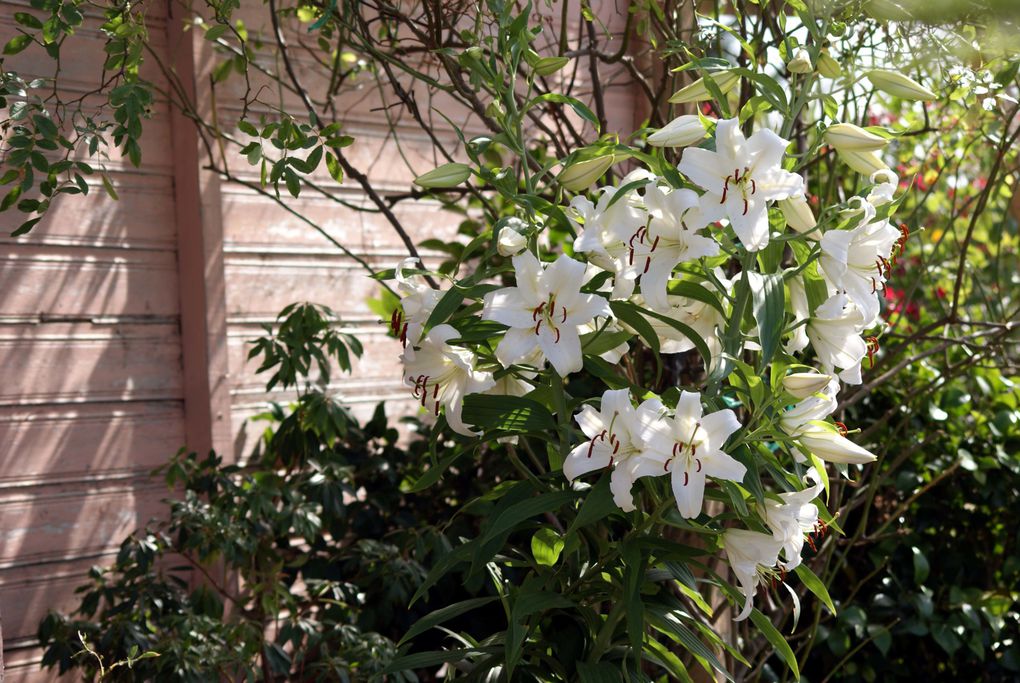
(511, 241)
(800, 63)
(582, 174)
(895, 83)
(847, 136)
(546, 66)
(827, 66)
(698, 91)
(680, 132)
(447, 175)
(825, 442)
(804, 384)
(864, 163)
(799, 216)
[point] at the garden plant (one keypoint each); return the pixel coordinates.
(730, 395)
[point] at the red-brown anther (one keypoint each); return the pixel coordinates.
(403, 335)
(437, 408)
(754, 186)
(616, 448)
(424, 390)
(639, 235)
(611, 461)
(538, 325)
(811, 542)
(537, 311)
(557, 331)
(418, 386)
(655, 242)
(591, 446)
(564, 319)
(782, 574)
(745, 207)
(873, 348)
(435, 391)
(648, 263)
(694, 450)
(686, 477)
(698, 460)
(665, 465)
(874, 286)
(395, 320)
(725, 189)
(842, 428)
(675, 446)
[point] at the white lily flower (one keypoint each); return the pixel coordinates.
(680, 132)
(741, 177)
(884, 187)
(614, 440)
(605, 232)
(817, 406)
(790, 519)
(752, 555)
(544, 311)
(703, 318)
(856, 261)
(669, 240)
(805, 422)
(834, 331)
(441, 374)
(417, 299)
(689, 447)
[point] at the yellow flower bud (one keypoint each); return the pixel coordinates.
(864, 163)
(680, 132)
(546, 66)
(582, 174)
(799, 216)
(895, 83)
(697, 91)
(827, 66)
(800, 63)
(804, 384)
(447, 175)
(847, 136)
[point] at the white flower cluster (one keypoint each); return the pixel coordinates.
(650, 237)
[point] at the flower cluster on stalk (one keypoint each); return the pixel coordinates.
(683, 257)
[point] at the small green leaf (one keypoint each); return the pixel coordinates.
(215, 32)
(546, 546)
(108, 186)
(921, 566)
(28, 20)
(17, 44)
